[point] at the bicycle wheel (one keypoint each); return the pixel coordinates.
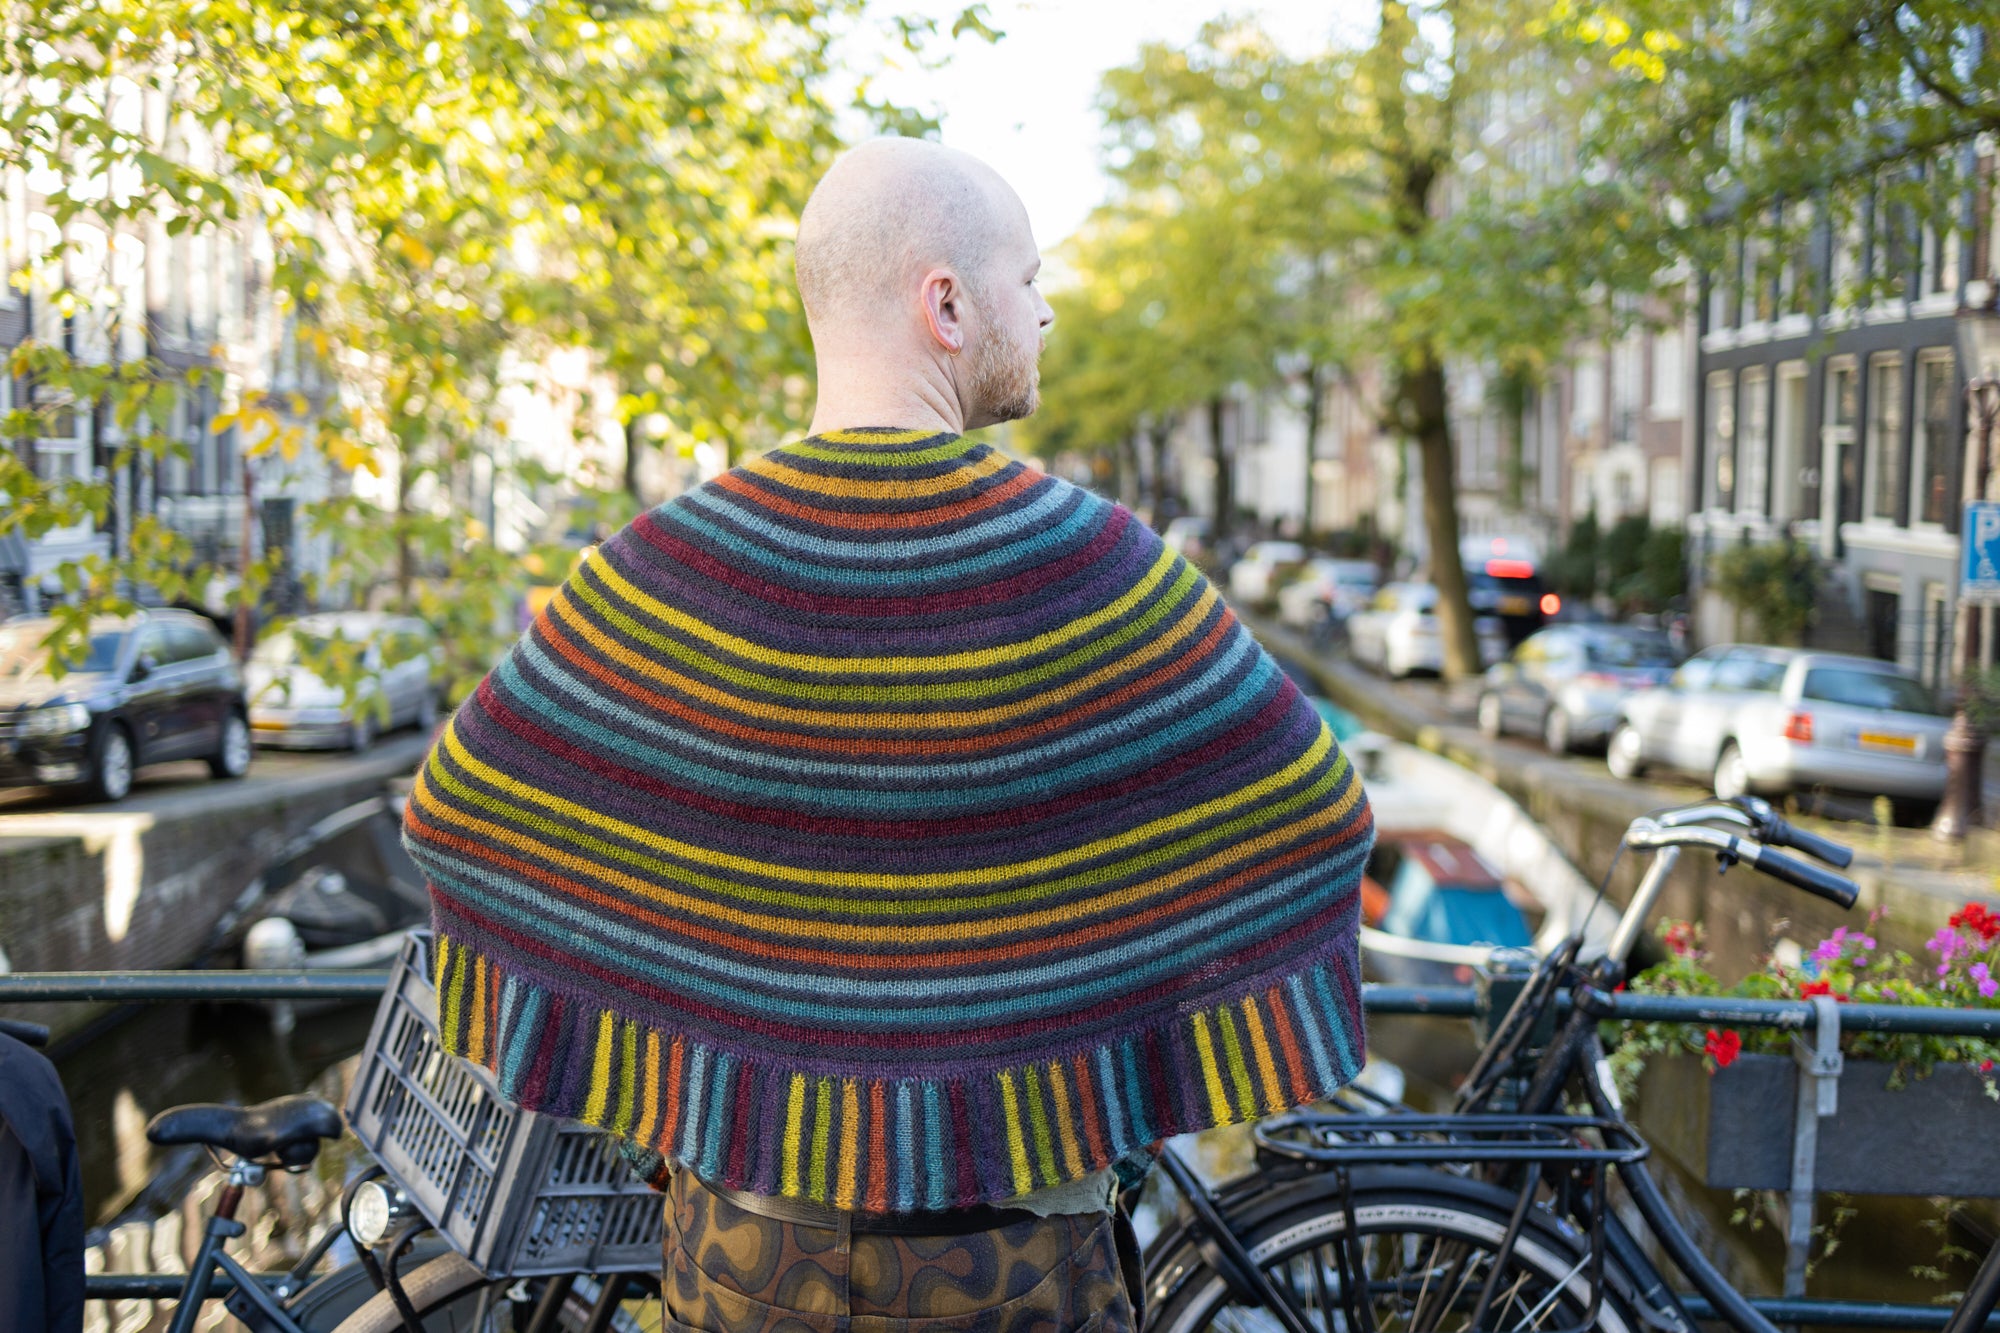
(451, 1296)
(1428, 1251)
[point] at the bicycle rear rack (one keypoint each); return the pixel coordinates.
(1359, 1140)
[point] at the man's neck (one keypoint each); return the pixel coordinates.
(856, 394)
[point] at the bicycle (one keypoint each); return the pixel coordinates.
(1496, 1215)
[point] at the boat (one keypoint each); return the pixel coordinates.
(1459, 868)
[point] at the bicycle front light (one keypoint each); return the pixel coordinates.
(371, 1212)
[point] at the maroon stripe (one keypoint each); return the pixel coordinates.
(1153, 779)
(985, 594)
(562, 963)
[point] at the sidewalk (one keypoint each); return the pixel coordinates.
(1905, 870)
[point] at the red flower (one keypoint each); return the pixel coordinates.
(1985, 1066)
(1679, 937)
(1977, 917)
(1723, 1047)
(1812, 988)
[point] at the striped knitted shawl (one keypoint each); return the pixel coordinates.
(893, 825)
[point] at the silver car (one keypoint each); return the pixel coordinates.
(1773, 720)
(1567, 684)
(292, 707)
(1398, 632)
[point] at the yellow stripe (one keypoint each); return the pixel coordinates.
(870, 435)
(643, 666)
(750, 651)
(440, 963)
(1274, 1092)
(778, 470)
(653, 885)
(1251, 795)
(1065, 1132)
(822, 1132)
(476, 1043)
(1017, 1148)
(628, 1070)
(795, 1114)
(850, 1127)
(1218, 1100)
(451, 1007)
(1239, 1074)
(649, 1089)
(600, 1071)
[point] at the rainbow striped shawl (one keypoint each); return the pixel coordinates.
(894, 825)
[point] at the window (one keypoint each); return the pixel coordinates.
(1792, 469)
(1867, 689)
(1885, 436)
(1841, 467)
(1669, 366)
(1722, 439)
(1696, 673)
(1930, 445)
(59, 452)
(188, 643)
(1753, 441)
(1749, 672)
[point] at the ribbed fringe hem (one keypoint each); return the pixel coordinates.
(895, 1144)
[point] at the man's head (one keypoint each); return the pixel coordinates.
(917, 269)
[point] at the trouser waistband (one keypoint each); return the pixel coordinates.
(800, 1212)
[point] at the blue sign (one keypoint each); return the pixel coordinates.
(1981, 575)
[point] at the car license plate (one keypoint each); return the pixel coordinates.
(1888, 740)
(1514, 606)
(267, 725)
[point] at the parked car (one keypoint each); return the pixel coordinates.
(1566, 683)
(1254, 578)
(1773, 720)
(1503, 577)
(152, 687)
(1326, 592)
(1398, 632)
(292, 706)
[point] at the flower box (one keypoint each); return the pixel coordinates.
(1733, 1129)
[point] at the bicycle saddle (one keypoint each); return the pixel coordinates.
(286, 1128)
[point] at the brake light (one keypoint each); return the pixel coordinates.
(1798, 727)
(1511, 569)
(1551, 603)
(1601, 678)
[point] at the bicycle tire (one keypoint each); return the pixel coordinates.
(1457, 1227)
(445, 1293)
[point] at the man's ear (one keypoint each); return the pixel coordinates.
(944, 309)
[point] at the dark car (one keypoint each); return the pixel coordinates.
(159, 685)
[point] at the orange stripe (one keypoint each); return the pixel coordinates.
(1294, 1058)
(878, 1150)
(1100, 932)
(837, 518)
(1087, 1099)
(670, 1118)
(577, 655)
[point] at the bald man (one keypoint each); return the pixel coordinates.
(892, 842)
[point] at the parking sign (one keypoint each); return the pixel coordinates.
(1981, 576)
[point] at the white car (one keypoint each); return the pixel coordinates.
(1253, 579)
(1399, 634)
(1326, 592)
(292, 707)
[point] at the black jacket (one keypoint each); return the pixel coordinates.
(41, 1198)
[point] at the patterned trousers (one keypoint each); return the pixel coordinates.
(729, 1271)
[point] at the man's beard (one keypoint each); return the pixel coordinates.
(1005, 378)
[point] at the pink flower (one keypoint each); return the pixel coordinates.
(1831, 948)
(1988, 987)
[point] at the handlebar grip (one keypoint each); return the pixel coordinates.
(1825, 849)
(30, 1034)
(1836, 889)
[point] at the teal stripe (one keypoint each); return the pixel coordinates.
(587, 694)
(840, 998)
(716, 1127)
(1191, 732)
(697, 1087)
(1136, 1094)
(940, 1186)
(707, 512)
(904, 1148)
(1306, 1012)
(1107, 1090)
(1349, 1066)
(520, 1052)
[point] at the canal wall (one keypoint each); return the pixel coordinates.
(1586, 811)
(141, 888)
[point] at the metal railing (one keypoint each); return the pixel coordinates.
(154, 987)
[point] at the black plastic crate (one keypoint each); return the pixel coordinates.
(519, 1194)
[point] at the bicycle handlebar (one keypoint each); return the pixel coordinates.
(1774, 829)
(1669, 831)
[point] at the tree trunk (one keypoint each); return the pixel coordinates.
(633, 444)
(1420, 390)
(1315, 403)
(1159, 435)
(1225, 481)
(1130, 483)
